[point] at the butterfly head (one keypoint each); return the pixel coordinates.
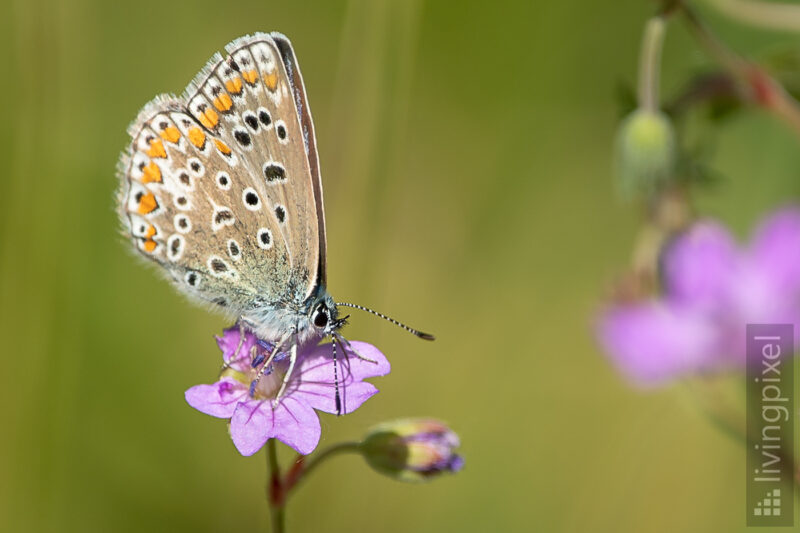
(324, 317)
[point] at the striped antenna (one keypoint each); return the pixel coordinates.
(337, 397)
(420, 334)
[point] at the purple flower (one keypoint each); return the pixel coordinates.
(293, 421)
(413, 449)
(711, 290)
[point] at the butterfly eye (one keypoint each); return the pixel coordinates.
(320, 317)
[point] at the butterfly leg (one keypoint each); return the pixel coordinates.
(268, 362)
(345, 342)
(292, 361)
(255, 357)
(235, 355)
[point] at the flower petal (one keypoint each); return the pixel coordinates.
(652, 343)
(700, 266)
(322, 396)
(317, 365)
(776, 249)
(296, 424)
(218, 399)
(361, 369)
(230, 341)
(252, 425)
(316, 380)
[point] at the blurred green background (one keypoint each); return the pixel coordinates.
(467, 155)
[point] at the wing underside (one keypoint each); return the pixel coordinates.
(221, 186)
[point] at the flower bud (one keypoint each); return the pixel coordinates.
(414, 449)
(645, 152)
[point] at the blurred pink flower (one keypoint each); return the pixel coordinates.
(293, 421)
(711, 290)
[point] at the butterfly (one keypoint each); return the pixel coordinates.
(221, 189)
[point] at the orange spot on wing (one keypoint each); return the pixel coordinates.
(197, 137)
(222, 147)
(147, 204)
(234, 85)
(151, 173)
(149, 246)
(151, 230)
(223, 102)
(209, 118)
(271, 81)
(156, 149)
(250, 76)
(171, 134)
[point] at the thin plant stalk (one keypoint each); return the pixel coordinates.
(304, 466)
(275, 495)
(650, 64)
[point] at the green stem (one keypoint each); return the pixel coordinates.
(303, 468)
(275, 493)
(765, 91)
(721, 412)
(773, 16)
(650, 63)
(717, 408)
(726, 57)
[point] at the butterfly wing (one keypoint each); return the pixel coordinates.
(218, 187)
(306, 122)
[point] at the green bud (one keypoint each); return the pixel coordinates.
(645, 152)
(413, 449)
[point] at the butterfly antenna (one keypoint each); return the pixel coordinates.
(420, 334)
(338, 398)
